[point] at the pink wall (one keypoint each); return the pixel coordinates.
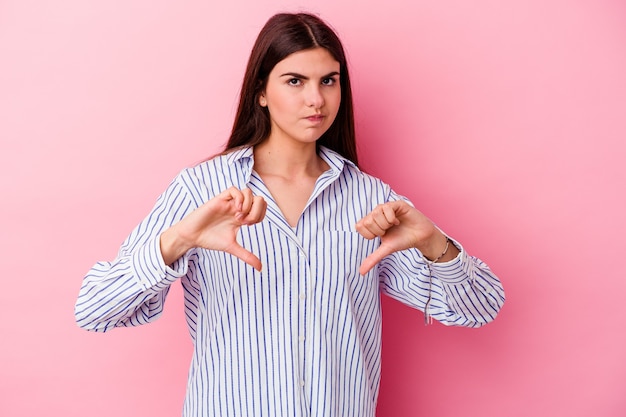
(505, 121)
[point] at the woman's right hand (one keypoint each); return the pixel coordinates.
(214, 226)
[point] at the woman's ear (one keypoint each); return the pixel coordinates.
(262, 101)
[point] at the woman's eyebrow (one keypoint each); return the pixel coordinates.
(304, 77)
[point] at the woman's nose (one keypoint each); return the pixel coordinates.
(314, 97)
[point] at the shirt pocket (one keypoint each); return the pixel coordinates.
(339, 286)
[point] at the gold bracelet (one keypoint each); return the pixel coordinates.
(442, 253)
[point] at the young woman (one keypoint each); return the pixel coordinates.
(283, 247)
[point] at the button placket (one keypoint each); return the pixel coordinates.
(305, 311)
(303, 314)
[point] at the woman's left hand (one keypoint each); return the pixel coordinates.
(400, 226)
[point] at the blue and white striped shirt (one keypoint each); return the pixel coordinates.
(303, 336)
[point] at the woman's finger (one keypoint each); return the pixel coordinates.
(257, 211)
(247, 200)
(246, 256)
(374, 258)
(377, 222)
(234, 194)
(388, 210)
(368, 228)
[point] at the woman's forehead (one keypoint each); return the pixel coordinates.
(316, 61)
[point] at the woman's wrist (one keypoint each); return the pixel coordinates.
(173, 246)
(440, 249)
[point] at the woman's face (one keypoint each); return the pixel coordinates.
(302, 96)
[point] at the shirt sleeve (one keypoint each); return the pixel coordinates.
(460, 292)
(131, 290)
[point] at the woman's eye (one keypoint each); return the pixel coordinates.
(294, 81)
(328, 81)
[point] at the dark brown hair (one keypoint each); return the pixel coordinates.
(282, 35)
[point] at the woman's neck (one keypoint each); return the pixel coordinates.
(289, 161)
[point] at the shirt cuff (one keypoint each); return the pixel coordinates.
(150, 269)
(456, 270)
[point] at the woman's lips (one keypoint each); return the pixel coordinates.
(316, 118)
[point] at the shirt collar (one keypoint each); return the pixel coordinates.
(244, 157)
(239, 154)
(334, 160)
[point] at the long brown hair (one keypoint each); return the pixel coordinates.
(282, 35)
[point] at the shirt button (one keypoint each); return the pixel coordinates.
(302, 383)
(301, 338)
(302, 296)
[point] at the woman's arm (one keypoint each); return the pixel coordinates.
(131, 289)
(422, 267)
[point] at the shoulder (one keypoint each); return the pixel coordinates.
(357, 172)
(369, 185)
(355, 183)
(208, 178)
(218, 163)
(221, 171)
(348, 168)
(353, 173)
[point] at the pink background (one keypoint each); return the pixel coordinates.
(504, 121)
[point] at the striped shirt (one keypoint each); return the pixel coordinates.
(303, 336)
